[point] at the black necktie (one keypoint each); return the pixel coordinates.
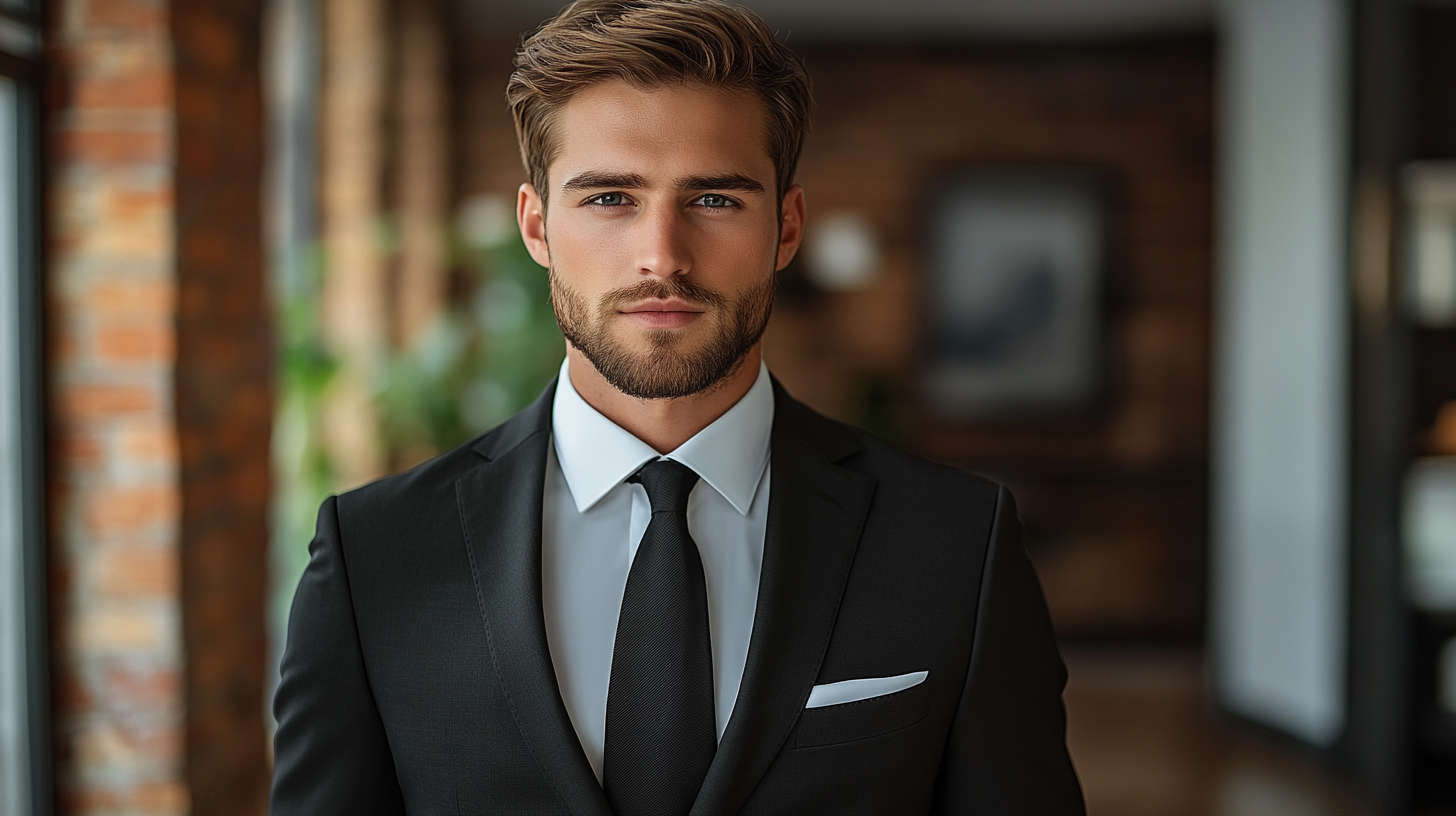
(661, 729)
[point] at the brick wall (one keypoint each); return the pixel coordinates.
(1115, 503)
(112, 284)
(121, 517)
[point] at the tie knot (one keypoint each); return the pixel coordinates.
(668, 484)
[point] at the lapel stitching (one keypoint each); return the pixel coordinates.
(500, 513)
(809, 534)
(495, 655)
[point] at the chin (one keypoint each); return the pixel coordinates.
(647, 341)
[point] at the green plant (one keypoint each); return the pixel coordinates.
(487, 355)
(484, 358)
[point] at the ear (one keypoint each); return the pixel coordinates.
(531, 218)
(791, 226)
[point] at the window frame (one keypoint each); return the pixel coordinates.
(21, 60)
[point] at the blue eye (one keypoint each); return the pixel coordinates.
(608, 199)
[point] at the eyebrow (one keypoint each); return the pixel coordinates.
(596, 181)
(633, 181)
(730, 181)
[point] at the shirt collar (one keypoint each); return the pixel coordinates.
(596, 454)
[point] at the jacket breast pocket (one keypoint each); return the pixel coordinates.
(862, 719)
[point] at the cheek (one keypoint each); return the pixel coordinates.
(586, 255)
(735, 257)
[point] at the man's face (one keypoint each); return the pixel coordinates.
(663, 233)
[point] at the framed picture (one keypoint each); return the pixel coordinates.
(1016, 261)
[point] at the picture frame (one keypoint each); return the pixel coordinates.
(1016, 268)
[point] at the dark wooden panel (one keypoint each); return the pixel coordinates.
(224, 400)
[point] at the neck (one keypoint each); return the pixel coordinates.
(666, 423)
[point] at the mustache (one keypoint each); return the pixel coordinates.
(657, 289)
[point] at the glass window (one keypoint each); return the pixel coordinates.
(13, 742)
(24, 712)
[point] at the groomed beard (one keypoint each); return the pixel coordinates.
(667, 370)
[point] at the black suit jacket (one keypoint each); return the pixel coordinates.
(417, 677)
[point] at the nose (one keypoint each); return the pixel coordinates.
(661, 248)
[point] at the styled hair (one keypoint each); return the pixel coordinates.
(651, 44)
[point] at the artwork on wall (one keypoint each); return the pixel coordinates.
(1015, 321)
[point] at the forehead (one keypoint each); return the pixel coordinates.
(664, 132)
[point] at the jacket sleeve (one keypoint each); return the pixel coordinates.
(331, 755)
(1007, 753)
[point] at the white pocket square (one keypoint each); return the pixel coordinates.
(852, 691)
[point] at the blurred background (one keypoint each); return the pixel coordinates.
(1182, 273)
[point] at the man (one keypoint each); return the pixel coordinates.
(666, 587)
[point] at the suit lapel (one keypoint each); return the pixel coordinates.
(500, 510)
(816, 511)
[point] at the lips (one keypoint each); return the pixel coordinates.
(669, 305)
(662, 314)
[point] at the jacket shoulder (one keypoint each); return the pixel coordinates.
(909, 473)
(427, 480)
(427, 477)
(891, 466)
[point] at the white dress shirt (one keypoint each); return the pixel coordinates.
(593, 520)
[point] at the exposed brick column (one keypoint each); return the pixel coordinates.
(159, 369)
(111, 283)
(224, 399)
(422, 159)
(354, 301)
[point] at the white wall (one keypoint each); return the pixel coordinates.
(1279, 563)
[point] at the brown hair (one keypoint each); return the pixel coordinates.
(651, 43)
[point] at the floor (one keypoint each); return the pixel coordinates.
(1147, 743)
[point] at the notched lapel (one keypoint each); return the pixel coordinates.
(816, 513)
(500, 510)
